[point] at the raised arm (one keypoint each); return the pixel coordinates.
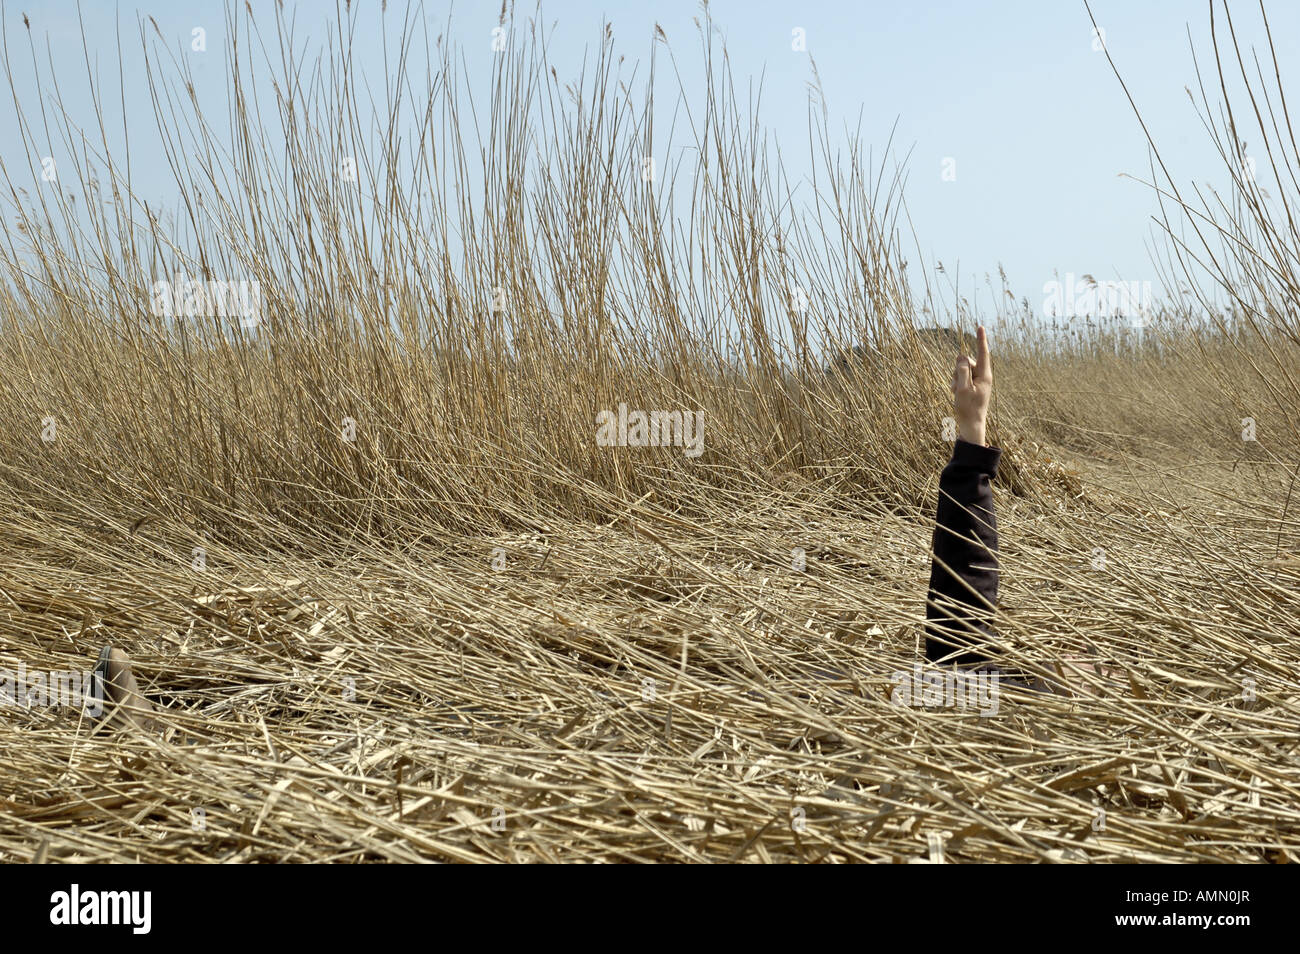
(964, 571)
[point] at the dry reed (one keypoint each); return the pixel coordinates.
(472, 634)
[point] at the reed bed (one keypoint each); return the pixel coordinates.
(665, 689)
(464, 631)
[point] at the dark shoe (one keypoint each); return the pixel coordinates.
(124, 703)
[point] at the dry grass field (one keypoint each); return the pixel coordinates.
(396, 603)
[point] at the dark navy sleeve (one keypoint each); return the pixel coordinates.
(964, 569)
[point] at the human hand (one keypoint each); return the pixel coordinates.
(972, 386)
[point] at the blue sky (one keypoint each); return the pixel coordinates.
(1014, 92)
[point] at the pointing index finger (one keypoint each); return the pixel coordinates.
(983, 360)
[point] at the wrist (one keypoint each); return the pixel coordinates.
(972, 433)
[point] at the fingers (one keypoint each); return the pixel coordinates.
(983, 360)
(961, 377)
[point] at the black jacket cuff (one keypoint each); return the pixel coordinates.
(976, 456)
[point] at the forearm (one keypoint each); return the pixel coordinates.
(972, 431)
(964, 574)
